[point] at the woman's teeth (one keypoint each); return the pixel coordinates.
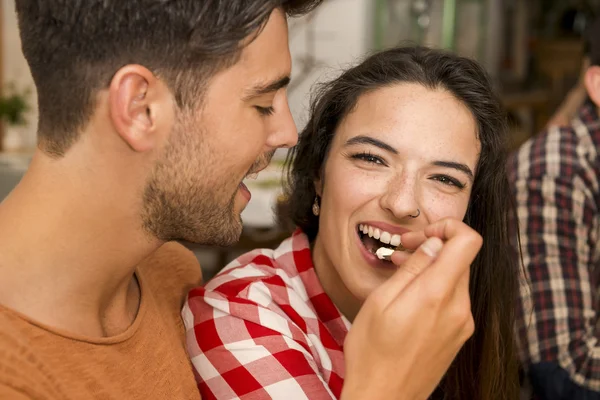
(382, 236)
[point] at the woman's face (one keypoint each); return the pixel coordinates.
(403, 148)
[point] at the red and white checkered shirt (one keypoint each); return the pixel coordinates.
(263, 328)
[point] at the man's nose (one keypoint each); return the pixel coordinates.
(284, 132)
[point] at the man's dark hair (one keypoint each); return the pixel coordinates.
(75, 47)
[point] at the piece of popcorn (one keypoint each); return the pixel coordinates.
(383, 253)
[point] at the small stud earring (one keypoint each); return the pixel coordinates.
(315, 208)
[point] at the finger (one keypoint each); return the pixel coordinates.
(462, 285)
(420, 259)
(408, 269)
(457, 255)
(448, 228)
(444, 229)
(399, 257)
(412, 240)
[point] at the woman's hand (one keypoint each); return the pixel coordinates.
(410, 329)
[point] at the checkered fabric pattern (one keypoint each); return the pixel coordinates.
(263, 328)
(555, 178)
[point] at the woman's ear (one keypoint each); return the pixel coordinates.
(319, 187)
(592, 83)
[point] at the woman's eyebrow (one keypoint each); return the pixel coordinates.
(363, 139)
(455, 165)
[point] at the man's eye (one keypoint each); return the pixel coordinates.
(265, 111)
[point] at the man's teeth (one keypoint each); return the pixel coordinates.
(382, 236)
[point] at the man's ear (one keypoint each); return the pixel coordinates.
(141, 107)
(592, 83)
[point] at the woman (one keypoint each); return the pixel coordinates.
(408, 137)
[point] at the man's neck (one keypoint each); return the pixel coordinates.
(68, 253)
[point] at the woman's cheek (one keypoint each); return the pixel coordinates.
(361, 185)
(440, 205)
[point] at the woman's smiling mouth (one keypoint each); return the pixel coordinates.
(374, 238)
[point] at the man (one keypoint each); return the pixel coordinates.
(556, 185)
(151, 115)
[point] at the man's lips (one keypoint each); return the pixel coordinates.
(260, 164)
(253, 174)
(243, 189)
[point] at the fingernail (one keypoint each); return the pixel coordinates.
(432, 246)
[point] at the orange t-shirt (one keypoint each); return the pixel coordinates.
(147, 361)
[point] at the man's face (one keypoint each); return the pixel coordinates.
(195, 192)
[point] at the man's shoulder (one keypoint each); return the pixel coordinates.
(172, 270)
(556, 152)
(561, 138)
(14, 340)
(21, 370)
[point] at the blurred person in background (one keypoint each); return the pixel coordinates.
(555, 181)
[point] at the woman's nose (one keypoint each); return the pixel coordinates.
(400, 198)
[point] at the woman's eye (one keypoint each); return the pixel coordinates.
(370, 158)
(265, 111)
(449, 181)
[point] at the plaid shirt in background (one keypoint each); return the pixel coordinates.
(263, 328)
(556, 178)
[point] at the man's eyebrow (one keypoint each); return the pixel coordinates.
(269, 87)
(458, 166)
(363, 139)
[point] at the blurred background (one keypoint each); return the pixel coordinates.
(532, 49)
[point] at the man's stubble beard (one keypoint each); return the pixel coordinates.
(182, 199)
